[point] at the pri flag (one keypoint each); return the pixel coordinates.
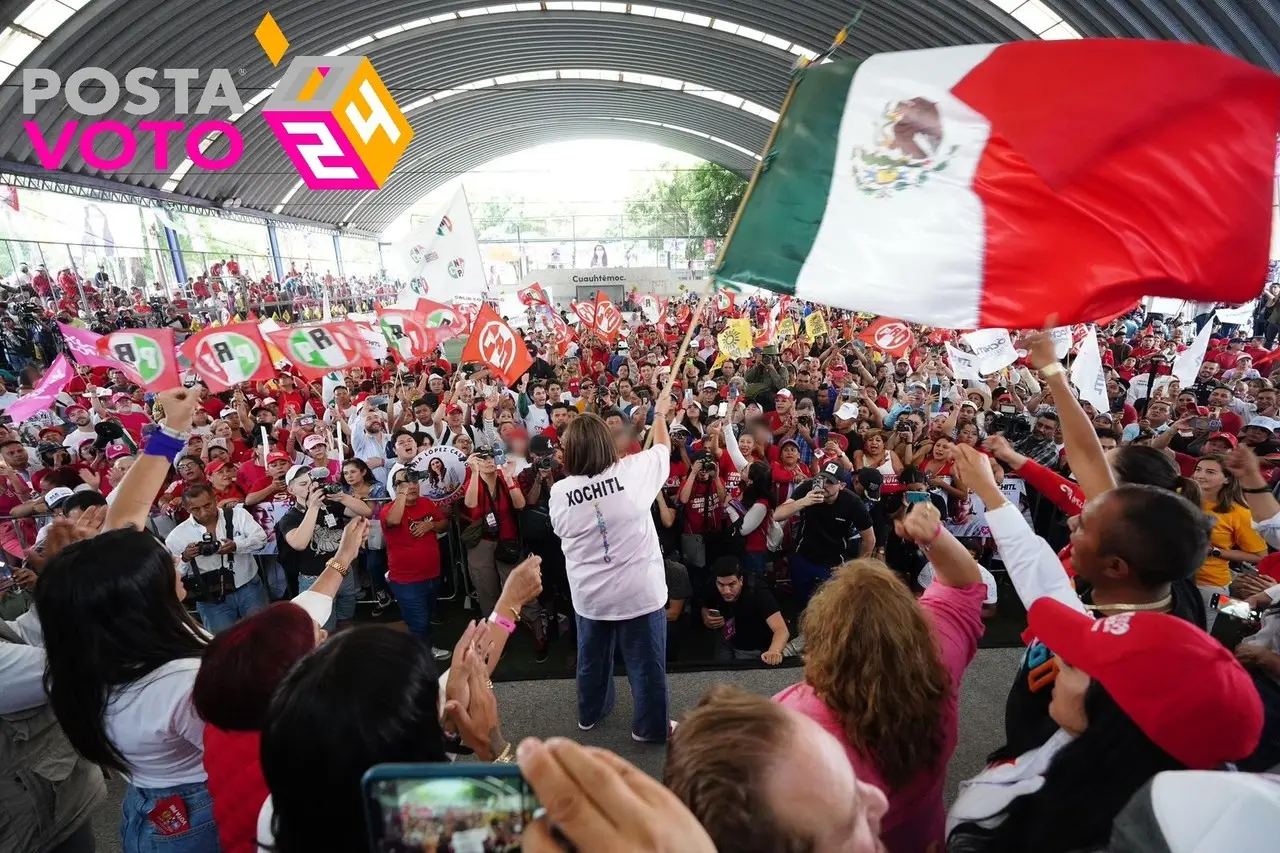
(147, 356)
(83, 347)
(991, 186)
(891, 336)
(608, 319)
(225, 356)
(445, 253)
(586, 312)
(493, 344)
(533, 295)
(652, 308)
(320, 349)
(406, 333)
(443, 317)
(45, 394)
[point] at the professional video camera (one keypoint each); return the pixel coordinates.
(412, 475)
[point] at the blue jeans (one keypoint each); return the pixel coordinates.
(246, 600)
(139, 835)
(417, 600)
(806, 576)
(344, 603)
(375, 563)
(644, 651)
(753, 562)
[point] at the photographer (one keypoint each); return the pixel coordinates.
(308, 536)
(835, 527)
(217, 547)
(702, 500)
(535, 482)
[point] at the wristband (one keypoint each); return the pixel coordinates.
(160, 443)
(924, 546)
(502, 622)
(173, 433)
(1262, 490)
(1051, 370)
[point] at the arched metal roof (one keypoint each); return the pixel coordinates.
(730, 60)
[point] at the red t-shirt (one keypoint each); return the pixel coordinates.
(285, 399)
(412, 558)
(233, 492)
(508, 531)
(133, 423)
(703, 513)
(730, 474)
(214, 407)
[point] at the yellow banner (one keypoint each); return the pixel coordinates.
(736, 339)
(787, 328)
(815, 325)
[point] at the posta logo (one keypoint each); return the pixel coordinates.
(332, 115)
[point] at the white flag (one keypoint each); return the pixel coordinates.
(1086, 373)
(1062, 340)
(1187, 365)
(1236, 315)
(993, 349)
(444, 252)
(963, 364)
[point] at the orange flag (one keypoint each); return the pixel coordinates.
(495, 345)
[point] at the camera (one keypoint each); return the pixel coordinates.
(412, 475)
(331, 488)
(544, 463)
(208, 546)
(707, 460)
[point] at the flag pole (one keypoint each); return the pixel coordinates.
(746, 196)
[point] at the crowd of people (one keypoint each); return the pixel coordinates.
(190, 574)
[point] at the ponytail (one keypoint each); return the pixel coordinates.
(1189, 489)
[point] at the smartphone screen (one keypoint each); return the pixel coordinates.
(917, 497)
(447, 807)
(823, 434)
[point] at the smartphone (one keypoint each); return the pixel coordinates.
(823, 434)
(733, 392)
(499, 457)
(7, 581)
(917, 497)
(713, 613)
(446, 807)
(1236, 620)
(566, 397)
(1200, 423)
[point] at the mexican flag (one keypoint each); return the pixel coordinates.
(978, 186)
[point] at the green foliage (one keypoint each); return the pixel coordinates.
(695, 202)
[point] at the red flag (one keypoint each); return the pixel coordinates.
(225, 356)
(586, 312)
(891, 336)
(437, 315)
(319, 349)
(468, 311)
(9, 196)
(564, 334)
(406, 333)
(533, 295)
(608, 318)
(494, 344)
(147, 356)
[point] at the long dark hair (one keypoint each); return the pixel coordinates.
(366, 475)
(761, 488)
(1136, 463)
(367, 696)
(110, 612)
(1087, 784)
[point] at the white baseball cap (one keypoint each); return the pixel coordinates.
(847, 412)
(57, 495)
(785, 392)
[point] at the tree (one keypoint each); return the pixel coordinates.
(698, 202)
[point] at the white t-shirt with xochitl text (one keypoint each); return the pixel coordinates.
(610, 545)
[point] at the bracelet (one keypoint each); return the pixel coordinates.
(502, 622)
(1261, 490)
(338, 566)
(173, 433)
(1051, 370)
(924, 546)
(160, 443)
(508, 752)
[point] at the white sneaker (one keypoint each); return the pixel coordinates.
(586, 728)
(441, 654)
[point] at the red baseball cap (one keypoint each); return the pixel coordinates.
(277, 456)
(216, 466)
(1182, 687)
(1227, 437)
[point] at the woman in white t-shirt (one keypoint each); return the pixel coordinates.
(122, 657)
(601, 512)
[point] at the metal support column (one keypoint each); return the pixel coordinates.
(175, 254)
(337, 253)
(274, 242)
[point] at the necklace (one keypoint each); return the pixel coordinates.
(1162, 605)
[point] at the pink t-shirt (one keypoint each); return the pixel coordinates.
(916, 818)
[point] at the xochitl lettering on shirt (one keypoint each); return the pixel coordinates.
(610, 544)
